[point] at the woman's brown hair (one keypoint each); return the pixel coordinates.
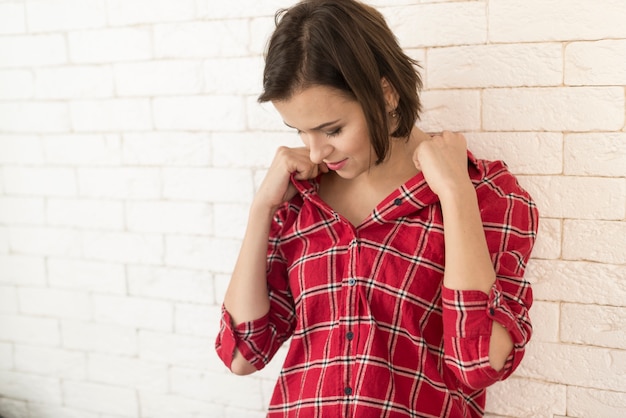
(346, 45)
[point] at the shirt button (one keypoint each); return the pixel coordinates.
(397, 202)
(349, 335)
(492, 311)
(348, 391)
(351, 282)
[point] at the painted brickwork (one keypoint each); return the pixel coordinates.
(131, 145)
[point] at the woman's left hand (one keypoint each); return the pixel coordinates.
(443, 160)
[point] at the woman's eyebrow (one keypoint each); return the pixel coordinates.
(317, 128)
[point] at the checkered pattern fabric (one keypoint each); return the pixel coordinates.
(374, 333)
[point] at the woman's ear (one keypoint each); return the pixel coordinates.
(390, 94)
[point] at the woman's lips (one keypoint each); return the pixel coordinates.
(337, 166)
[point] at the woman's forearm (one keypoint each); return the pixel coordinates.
(247, 297)
(468, 262)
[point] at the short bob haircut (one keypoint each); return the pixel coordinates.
(346, 45)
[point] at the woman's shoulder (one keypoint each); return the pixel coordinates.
(494, 177)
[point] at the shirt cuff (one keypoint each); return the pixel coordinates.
(241, 337)
(469, 313)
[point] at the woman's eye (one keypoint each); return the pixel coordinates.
(333, 133)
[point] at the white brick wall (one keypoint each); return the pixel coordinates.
(131, 144)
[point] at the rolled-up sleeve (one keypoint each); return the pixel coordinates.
(510, 222)
(258, 340)
(468, 320)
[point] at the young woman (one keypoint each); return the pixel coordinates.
(393, 259)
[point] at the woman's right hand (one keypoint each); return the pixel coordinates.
(276, 187)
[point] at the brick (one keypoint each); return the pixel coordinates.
(523, 152)
(54, 411)
(22, 270)
(4, 236)
(595, 63)
(169, 217)
(607, 159)
(577, 282)
(225, 38)
(259, 176)
(167, 149)
(8, 299)
(246, 149)
(261, 29)
(53, 362)
(100, 398)
(578, 197)
(20, 116)
(230, 220)
(593, 325)
(6, 357)
(16, 84)
(437, 24)
(216, 255)
(21, 149)
(208, 9)
(199, 320)
(211, 113)
(554, 109)
(111, 115)
(170, 284)
(235, 412)
(12, 18)
(221, 389)
(549, 239)
(128, 372)
(585, 402)
(157, 405)
(14, 408)
(86, 275)
(41, 331)
(592, 367)
(39, 181)
(56, 15)
(212, 184)
(76, 82)
(545, 317)
(123, 247)
(600, 241)
(530, 399)
(119, 183)
(45, 241)
(158, 78)
(219, 76)
(490, 66)
(96, 337)
(125, 12)
(30, 387)
(94, 214)
(538, 20)
(221, 284)
(110, 45)
(454, 110)
(87, 150)
(263, 117)
(140, 313)
(55, 303)
(179, 350)
(32, 50)
(22, 210)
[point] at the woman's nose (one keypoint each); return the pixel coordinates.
(319, 148)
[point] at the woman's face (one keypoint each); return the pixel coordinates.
(333, 128)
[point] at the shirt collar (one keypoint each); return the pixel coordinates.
(410, 197)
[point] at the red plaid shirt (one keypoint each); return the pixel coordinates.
(373, 331)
